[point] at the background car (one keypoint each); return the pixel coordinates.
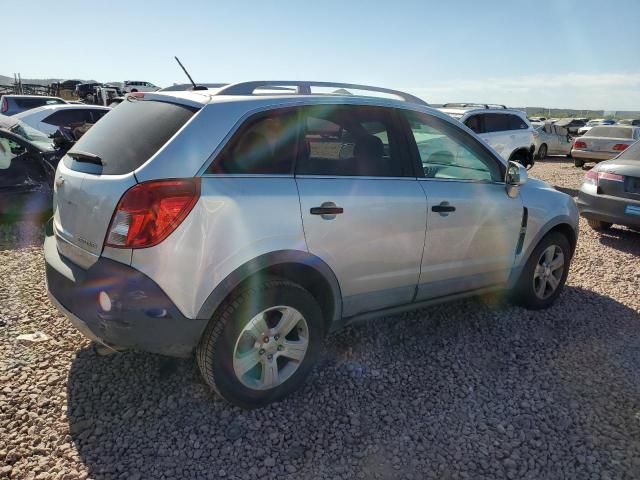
(594, 123)
(552, 139)
(48, 119)
(139, 86)
(27, 167)
(629, 121)
(603, 143)
(12, 104)
(507, 131)
(610, 193)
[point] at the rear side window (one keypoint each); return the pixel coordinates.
(68, 117)
(516, 123)
(474, 123)
(266, 144)
(35, 102)
(132, 133)
(495, 122)
(611, 132)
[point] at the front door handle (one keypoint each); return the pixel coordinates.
(328, 210)
(443, 209)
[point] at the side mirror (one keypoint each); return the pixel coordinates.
(516, 175)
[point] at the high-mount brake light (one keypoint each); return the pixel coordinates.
(149, 212)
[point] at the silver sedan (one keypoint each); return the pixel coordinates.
(603, 142)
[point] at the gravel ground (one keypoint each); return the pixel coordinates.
(475, 389)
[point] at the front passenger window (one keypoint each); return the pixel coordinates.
(449, 153)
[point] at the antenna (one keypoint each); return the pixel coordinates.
(195, 87)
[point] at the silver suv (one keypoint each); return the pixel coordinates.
(245, 224)
(508, 131)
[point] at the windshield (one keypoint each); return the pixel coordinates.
(631, 153)
(611, 132)
(31, 134)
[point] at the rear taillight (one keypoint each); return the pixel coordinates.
(592, 177)
(5, 105)
(148, 212)
(618, 147)
(579, 144)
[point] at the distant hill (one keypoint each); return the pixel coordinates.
(4, 80)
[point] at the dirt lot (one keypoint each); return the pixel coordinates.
(470, 390)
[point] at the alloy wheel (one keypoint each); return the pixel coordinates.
(270, 348)
(548, 272)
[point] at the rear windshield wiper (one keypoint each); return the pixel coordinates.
(85, 157)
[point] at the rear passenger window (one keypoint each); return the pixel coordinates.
(516, 123)
(350, 140)
(68, 117)
(474, 123)
(496, 122)
(265, 145)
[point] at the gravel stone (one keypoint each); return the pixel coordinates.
(475, 389)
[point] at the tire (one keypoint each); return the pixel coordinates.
(577, 162)
(542, 152)
(133, 90)
(218, 353)
(522, 159)
(525, 293)
(599, 226)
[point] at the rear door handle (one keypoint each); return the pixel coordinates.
(443, 209)
(328, 210)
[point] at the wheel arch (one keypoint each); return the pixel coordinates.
(303, 268)
(562, 225)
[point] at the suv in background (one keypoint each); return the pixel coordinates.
(130, 86)
(12, 104)
(245, 226)
(507, 131)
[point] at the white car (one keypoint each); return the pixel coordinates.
(506, 130)
(130, 86)
(50, 118)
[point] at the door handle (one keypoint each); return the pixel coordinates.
(443, 209)
(328, 210)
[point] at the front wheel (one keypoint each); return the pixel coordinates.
(542, 152)
(545, 273)
(261, 345)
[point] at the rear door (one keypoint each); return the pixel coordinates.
(519, 132)
(95, 173)
(363, 210)
(473, 226)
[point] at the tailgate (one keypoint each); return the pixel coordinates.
(83, 205)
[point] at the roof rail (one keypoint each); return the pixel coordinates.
(304, 88)
(481, 105)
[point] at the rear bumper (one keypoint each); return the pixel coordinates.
(141, 317)
(592, 156)
(608, 209)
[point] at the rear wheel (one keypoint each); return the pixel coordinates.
(577, 162)
(545, 273)
(523, 159)
(262, 343)
(598, 225)
(542, 152)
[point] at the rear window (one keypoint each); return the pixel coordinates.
(131, 134)
(611, 132)
(35, 102)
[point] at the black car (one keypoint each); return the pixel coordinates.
(27, 167)
(84, 89)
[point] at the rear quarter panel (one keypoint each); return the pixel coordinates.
(236, 220)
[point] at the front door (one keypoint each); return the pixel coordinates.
(363, 210)
(473, 226)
